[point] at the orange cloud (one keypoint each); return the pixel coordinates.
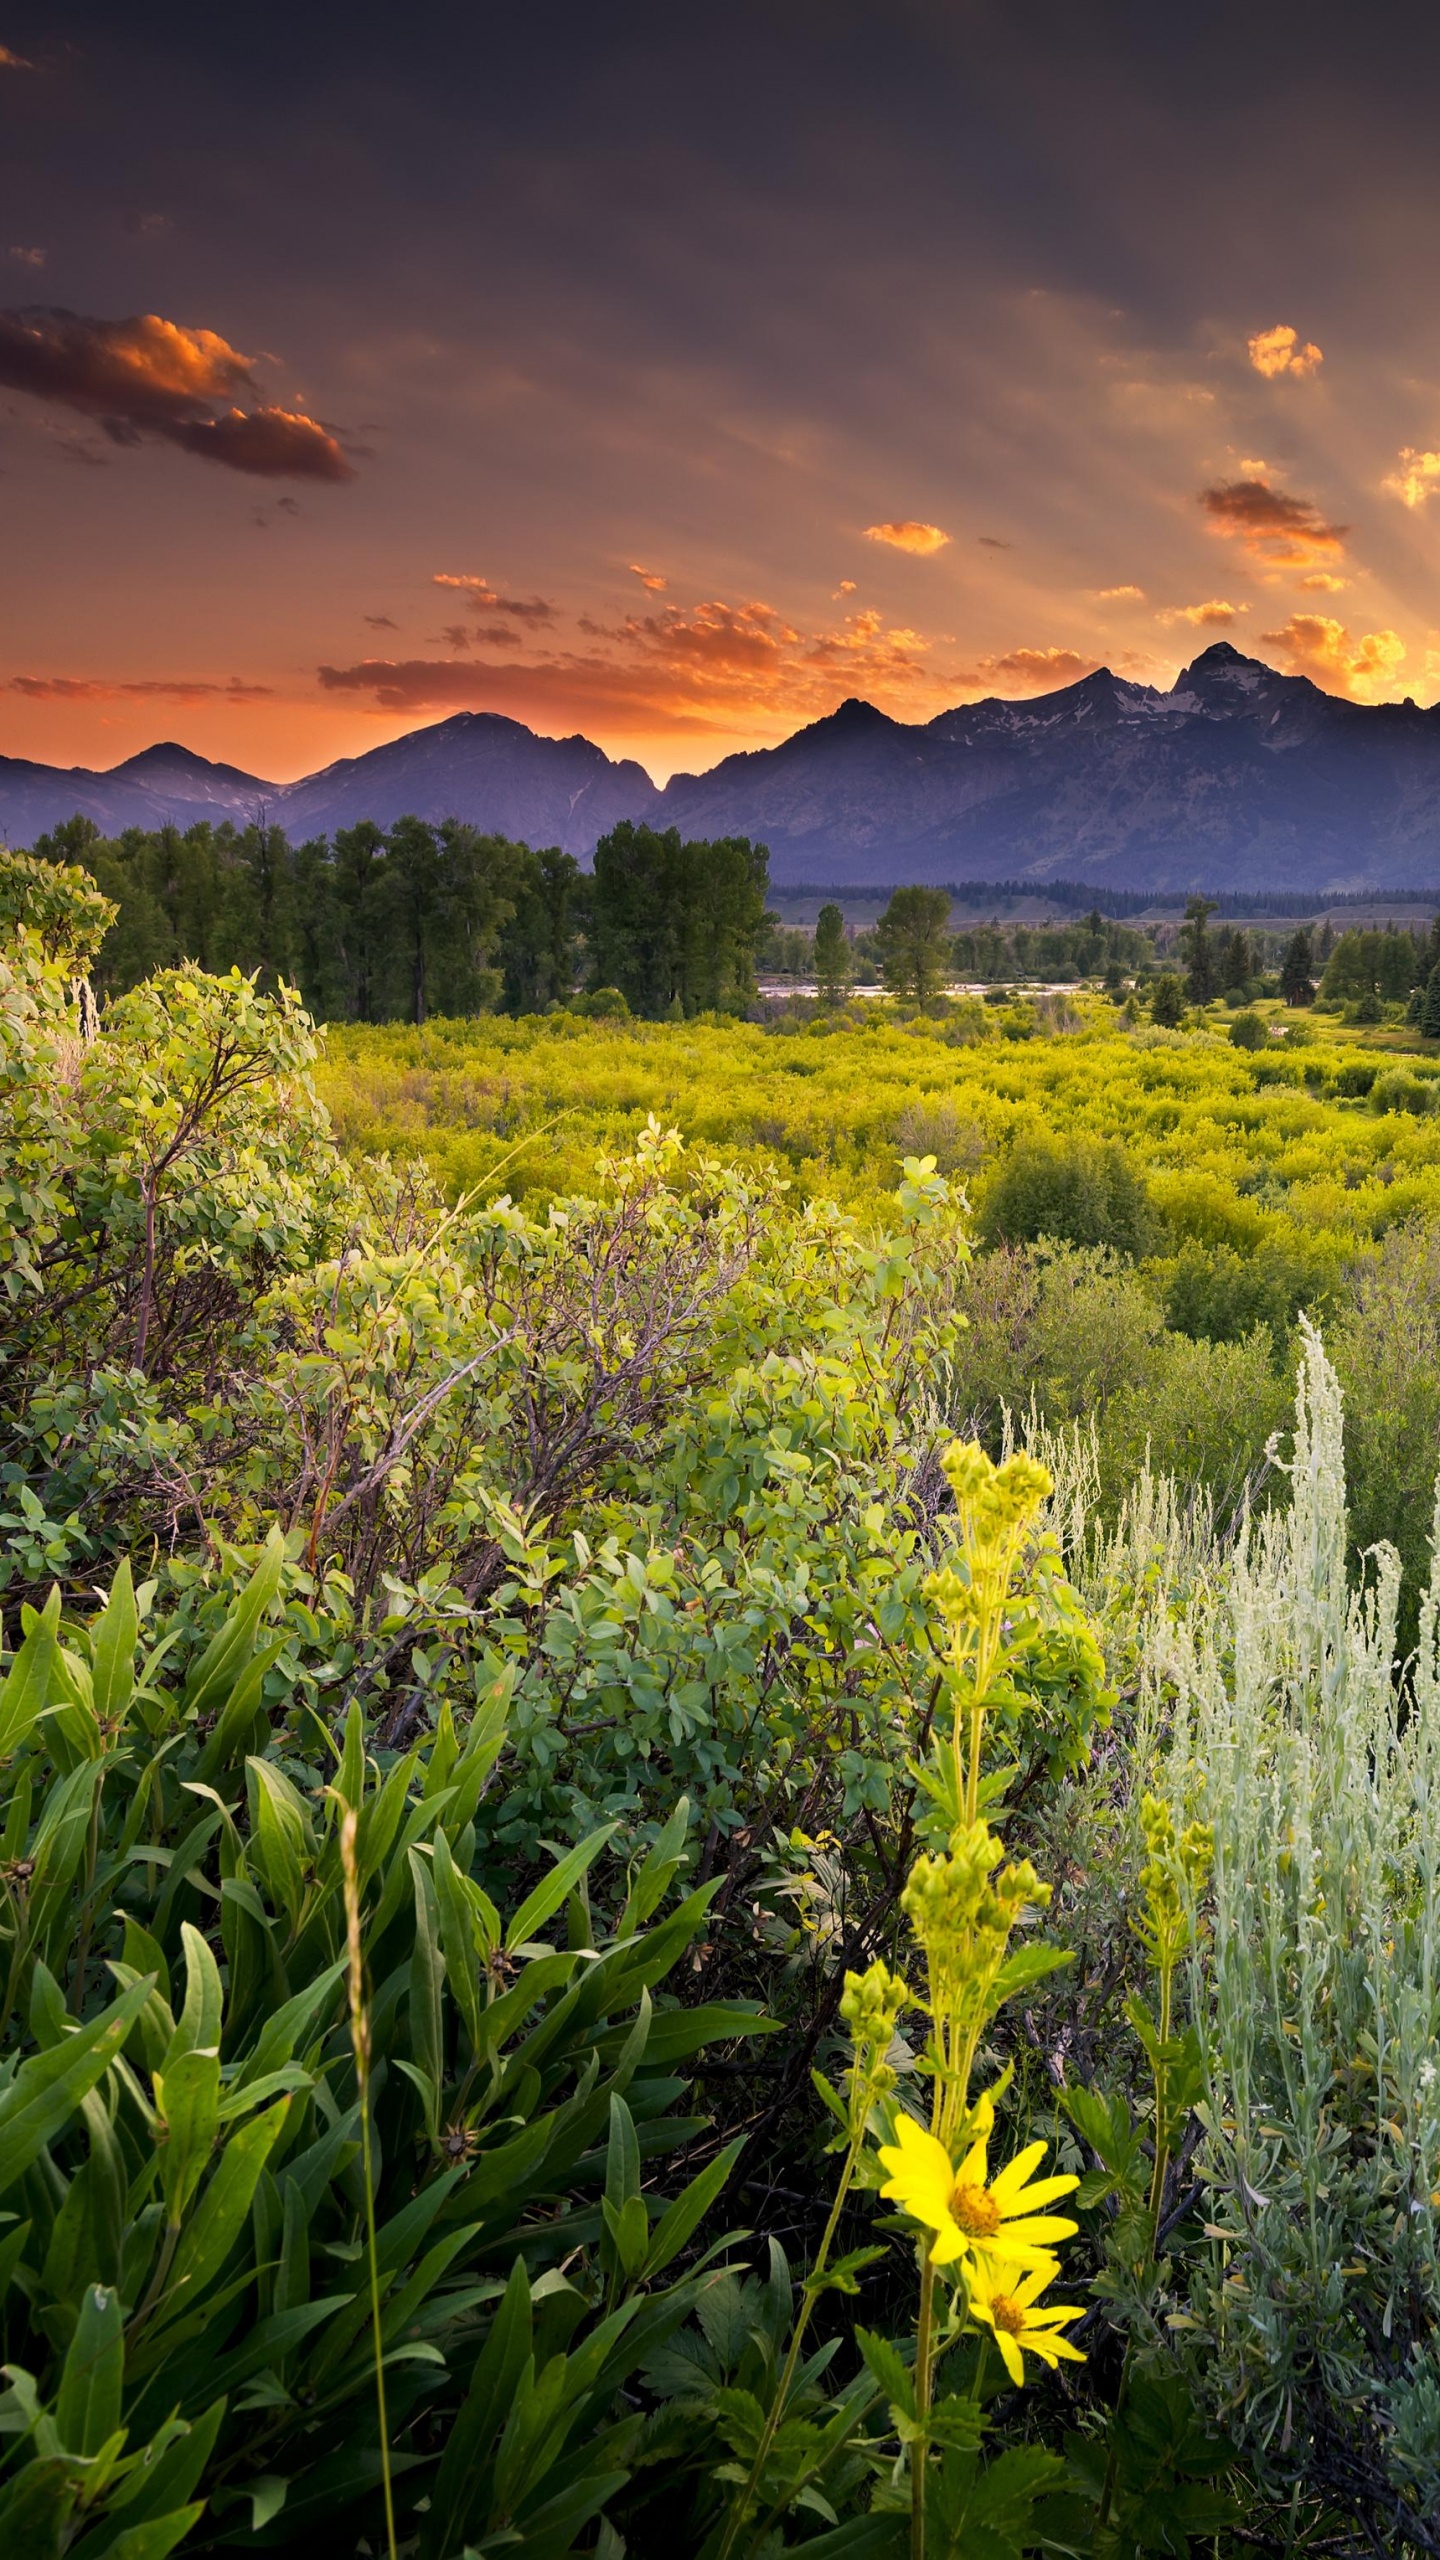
(1278, 350)
(13, 61)
(150, 689)
(1119, 595)
(1278, 531)
(718, 669)
(922, 539)
(481, 598)
(1314, 645)
(149, 376)
(1029, 671)
(650, 579)
(1214, 615)
(1320, 583)
(1416, 478)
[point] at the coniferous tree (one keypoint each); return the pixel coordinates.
(1236, 960)
(1430, 1009)
(1297, 984)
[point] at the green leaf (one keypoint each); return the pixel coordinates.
(197, 2029)
(231, 1646)
(458, 1941)
(157, 2536)
(188, 2097)
(25, 1690)
(427, 1975)
(483, 2412)
(216, 2223)
(689, 2209)
(622, 2157)
(113, 1638)
(87, 2407)
(654, 1878)
(1026, 1965)
(46, 2091)
(890, 2370)
(548, 1896)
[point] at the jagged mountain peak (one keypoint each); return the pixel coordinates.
(1238, 776)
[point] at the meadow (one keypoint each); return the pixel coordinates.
(718, 1775)
(1238, 1147)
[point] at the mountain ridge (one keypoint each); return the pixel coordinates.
(1237, 776)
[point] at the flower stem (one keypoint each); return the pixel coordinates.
(739, 2513)
(924, 2381)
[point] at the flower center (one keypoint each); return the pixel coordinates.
(976, 2211)
(1007, 2315)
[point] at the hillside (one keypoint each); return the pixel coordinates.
(1235, 778)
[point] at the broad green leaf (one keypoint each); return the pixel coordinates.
(188, 2098)
(46, 2091)
(548, 1896)
(197, 2029)
(459, 1941)
(26, 1687)
(156, 2537)
(689, 2209)
(230, 1647)
(215, 2225)
(426, 1978)
(113, 1638)
(87, 2408)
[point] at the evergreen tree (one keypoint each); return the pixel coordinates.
(1167, 1000)
(1236, 960)
(1297, 985)
(1430, 1009)
(832, 955)
(914, 944)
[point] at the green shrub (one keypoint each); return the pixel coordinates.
(1073, 1192)
(1248, 1031)
(1217, 1295)
(1399, 1090)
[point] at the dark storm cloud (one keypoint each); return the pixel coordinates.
(148, 376)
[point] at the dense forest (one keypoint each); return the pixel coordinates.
(383, 927)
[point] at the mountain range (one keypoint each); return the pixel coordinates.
(1237, 777)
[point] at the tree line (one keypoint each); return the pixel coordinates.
(386, 925)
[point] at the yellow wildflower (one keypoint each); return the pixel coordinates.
(992, 2221)
(1019, 2322)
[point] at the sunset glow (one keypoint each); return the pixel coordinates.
(912, 426)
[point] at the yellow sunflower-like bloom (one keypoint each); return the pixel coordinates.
(1005, 2301)
(992, 2221)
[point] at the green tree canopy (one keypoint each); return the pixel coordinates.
(832, 954)
(914, 942)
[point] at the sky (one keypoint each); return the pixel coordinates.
(671, 375)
